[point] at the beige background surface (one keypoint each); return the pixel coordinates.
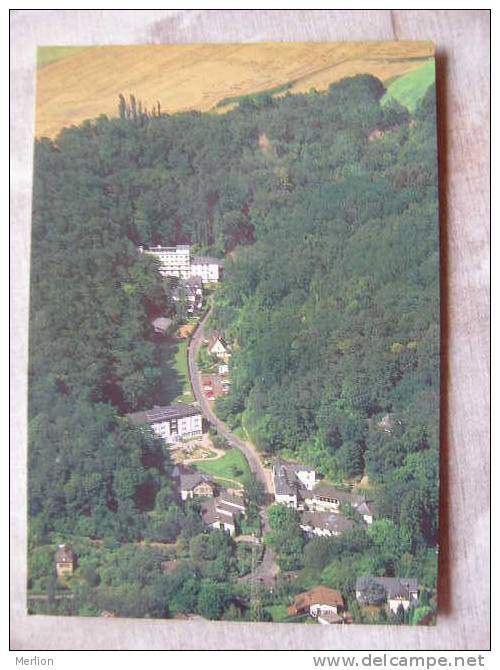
(462, 45)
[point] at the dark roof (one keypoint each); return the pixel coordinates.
(231, 499)
(285, 477)
(189, 480)
(395, 587)
(285, 480)
(298, 467)
(201, 260)
(364, 507)
(326, 521)
(326, 491)
(223, 507)
(210, 515)
(163, 413)
(64, 554)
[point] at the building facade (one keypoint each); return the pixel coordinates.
(177, 262)
(324, 524)
(291, 482)
(65, 561)
(220, 513)
(171, 423)
(398, 591)
(209, 269)
(174, 261)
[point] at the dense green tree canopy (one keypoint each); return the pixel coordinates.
(331, 298)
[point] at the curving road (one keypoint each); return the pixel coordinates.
(246, 448)
(266, 571)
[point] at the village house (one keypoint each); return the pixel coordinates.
(217, 346)
(329, 499)
(65, 560)
(195, 484)
(161, 325)
(319, 602)
(324, 524)
(221, 512)
(172, 422)
(291, 482)
(398, 591)
(194, 292)
(365, 508)
(326, 498)
(190, 289)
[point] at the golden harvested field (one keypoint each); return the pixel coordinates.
(79, 84)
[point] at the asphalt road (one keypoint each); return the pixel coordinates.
(246, 448)
(267, 569)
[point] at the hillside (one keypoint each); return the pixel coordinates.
(409, 89)
(82, 83)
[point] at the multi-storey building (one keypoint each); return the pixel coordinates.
(174, 261)
(209, 269)
(171, 423)
(177, 262)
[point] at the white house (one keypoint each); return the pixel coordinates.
(171, 423)
(326, 499)
(398, 591)
(365, 508)
(217, 346)
(320, 601)
(329, 499)
(220, 512)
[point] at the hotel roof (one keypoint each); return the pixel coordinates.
(158, 414)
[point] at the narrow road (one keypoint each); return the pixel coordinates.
(267, 569)
(246, 448)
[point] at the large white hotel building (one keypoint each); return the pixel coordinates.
(177, 262)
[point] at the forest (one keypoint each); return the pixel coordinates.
(325, 209)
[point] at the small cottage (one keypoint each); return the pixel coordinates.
(65, 560)
(195, 484)
(317, 602)
(396, 590)
(217, 346)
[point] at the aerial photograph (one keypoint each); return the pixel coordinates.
(234, 337)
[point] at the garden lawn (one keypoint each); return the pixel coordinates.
(232, 466)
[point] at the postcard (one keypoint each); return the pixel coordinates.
(234, 333)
